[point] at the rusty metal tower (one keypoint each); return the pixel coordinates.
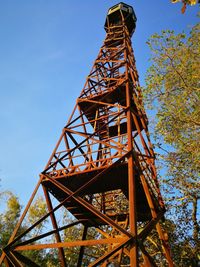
(102, 169)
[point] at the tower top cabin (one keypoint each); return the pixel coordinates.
(119, 14)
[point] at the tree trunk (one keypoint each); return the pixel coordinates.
(195, 223)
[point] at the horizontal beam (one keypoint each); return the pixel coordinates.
(80, 243)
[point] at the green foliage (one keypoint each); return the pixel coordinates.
(9, 218)
(37, 210)
(173, 92)
(76, 233)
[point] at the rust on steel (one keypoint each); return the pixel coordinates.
(102, 170)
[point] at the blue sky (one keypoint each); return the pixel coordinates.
(46, 51)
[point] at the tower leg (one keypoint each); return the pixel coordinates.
(132, 214)
(7, 263)
(132, 196)
(131, 179)
(164, 245)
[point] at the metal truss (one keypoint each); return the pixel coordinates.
(102, 171)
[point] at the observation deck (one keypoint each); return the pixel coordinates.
(119, 14)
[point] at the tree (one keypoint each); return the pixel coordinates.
(185, 3)
(173, 92)
(76, 232)
(9, 218)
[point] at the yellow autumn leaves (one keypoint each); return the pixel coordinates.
(185, 3)
(189, 2)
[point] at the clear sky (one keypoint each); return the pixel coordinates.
(47, 49)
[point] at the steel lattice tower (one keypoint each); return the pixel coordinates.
(102, 169)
